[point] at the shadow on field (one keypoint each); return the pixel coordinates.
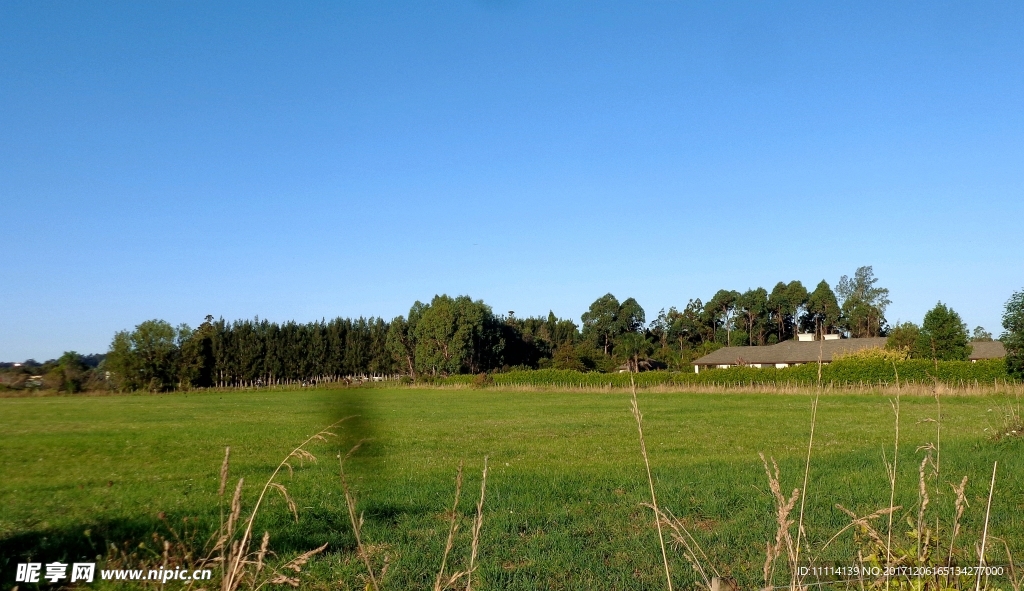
(82, 543)
(353, 404)
(91, 542)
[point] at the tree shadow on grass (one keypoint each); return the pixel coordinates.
(78, 543)
(143, 538)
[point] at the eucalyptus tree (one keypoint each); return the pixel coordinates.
(561, 331)
(401, 340)
(863, 304)
(753, 306)
(821, 312)
(721, 306)
(690, 327)
(784, 302)
(607, 320)
(630, 317)
(600, 322)
(452, 334)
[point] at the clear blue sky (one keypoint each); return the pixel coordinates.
(298, 160)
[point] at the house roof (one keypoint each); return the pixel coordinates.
(807, 351)
(987, 350)
(790, 351)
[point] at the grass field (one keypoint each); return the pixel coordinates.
(564, 494)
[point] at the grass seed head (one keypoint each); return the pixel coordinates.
(224, 472)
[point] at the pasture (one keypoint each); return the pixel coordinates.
(565, 490)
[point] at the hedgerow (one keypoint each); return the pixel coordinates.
(844, 372)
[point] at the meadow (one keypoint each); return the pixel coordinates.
(565, 490)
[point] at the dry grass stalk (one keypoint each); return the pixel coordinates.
(783, 539)
(263, 551)
(923, 533)
(803, 497)
(449, 581)
(224, 471)
(961, 503)
(984, 534)
(650, 480)
(684, 539)
(356, 523)
(236, 509)
(477, 524)
(287, 498)
(237, 559)
(298, 562)
(864, 523)
(453, 526)
(1015, 581)
(295, 565)
(891, 470)
(938, 433)
(441, 582)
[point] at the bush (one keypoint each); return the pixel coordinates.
(868, 369)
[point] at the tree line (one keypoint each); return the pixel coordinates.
(459, 335)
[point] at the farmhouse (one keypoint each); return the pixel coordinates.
(800, 351)
(986, 350)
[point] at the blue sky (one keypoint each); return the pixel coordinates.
(301, 160)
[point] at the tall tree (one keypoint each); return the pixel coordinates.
(821, 311)
(863, 303)
(753, 305)
(691, 326)
(196, 364)
(943, 336)
(145, 358)
(784, 302)
(630, 317)
(661, 327)
(721, 307)
(1013, 338)
(451, 335)
(601, 322)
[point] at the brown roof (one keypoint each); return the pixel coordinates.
(987, 350)
(791, 351)
(807, 351)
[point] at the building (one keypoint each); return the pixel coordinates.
(806, 350)
(986, 350)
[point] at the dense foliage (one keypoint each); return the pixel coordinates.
(852, 371)
(941, 337)
(451, 336)
(1013, 338)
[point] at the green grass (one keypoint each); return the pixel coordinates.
(563, 506)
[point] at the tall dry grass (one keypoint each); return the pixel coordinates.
(238, 560)
(874, 546)
(650, 480)
(443, 580)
